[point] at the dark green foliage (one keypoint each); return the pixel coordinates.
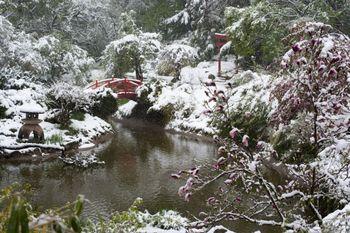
(292, 143)
(70, 131)
(80, 116)
(151, 17)
(104, 105)
(253, 123)
(2, 112)
(15, 214)
(256, 32)
(161, 117)
(55, 139)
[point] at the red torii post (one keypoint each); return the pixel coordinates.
(220, 40)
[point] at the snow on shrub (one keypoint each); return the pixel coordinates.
(130, 52)
(63, 60)
(316, 81)
(133, 220)
(250, 30)
(48, 58)
(67, 98)
(174, 57)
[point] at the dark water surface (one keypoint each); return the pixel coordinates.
(139, 161)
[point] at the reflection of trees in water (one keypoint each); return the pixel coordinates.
(137, 141)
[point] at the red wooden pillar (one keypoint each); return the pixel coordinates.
(220, 40)
(96, 84)
(125, 85)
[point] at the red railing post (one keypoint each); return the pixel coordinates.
(125, 86)
(96, 84)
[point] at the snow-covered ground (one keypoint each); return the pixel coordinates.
(187, 97)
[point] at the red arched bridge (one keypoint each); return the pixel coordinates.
(124, 88)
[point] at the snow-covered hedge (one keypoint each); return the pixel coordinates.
(174, 57)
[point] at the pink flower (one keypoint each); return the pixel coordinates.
(187, 196)
(189, 183)
(182, 191)
(220, 108)
(245, 140)
(211, 200)
(233, 133)
(332, 73)
(296, 48)
(238, 199)
(216, 166)
(175, 176)
(194, 171)
(206, 112)
(228, 181)
(212, 99)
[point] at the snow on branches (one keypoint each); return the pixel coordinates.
(316, 78)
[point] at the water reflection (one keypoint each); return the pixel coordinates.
(139, 161)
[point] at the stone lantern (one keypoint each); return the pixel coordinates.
(31, 124)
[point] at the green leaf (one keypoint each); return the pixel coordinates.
(75, 224)
(79, 205)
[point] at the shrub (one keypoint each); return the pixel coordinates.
(292, 142)
(133, 220)
(2, 112)
(67, 99)
(174, 57)
(256, 32)
(104, 104)
(315, 81)
(251, 122)
(55, 139)
(79, 116)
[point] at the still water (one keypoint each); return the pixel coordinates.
(139, 161)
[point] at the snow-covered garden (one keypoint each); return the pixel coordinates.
(279, 112)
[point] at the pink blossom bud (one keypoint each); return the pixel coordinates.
(206, 112)
(194, 171)
(296, 48)
(228, 181)
(233, 133)
(245, 140)
(220, 108)
(189, 183)
(175, 176)
(284, 64)
(215, 166)
(238, 199)
(221, 92)
(211, 200)
(182, 191)
(212, 99)
(322, 68)
(188, 196)
(332, 73)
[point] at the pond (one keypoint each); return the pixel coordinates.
(139, 160)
